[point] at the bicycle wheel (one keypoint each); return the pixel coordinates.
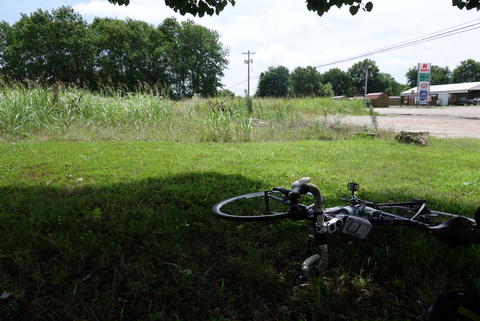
(260, 206)
(421, 214)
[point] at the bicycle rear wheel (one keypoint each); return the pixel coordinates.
(423, 215)
(260, 206)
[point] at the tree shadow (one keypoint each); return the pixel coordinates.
(151, 249)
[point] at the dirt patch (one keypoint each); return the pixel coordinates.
(447, 122)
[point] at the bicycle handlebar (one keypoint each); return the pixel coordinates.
(303, 186)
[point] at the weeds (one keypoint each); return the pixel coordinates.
(72, 114)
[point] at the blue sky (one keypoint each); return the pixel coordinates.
(284, 32)
(11, 10)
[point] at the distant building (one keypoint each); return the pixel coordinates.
(395, 100)
(379, 99)
(444, 94)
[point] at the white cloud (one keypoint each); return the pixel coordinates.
(284, 32)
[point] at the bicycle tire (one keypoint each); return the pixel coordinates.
(218, 209)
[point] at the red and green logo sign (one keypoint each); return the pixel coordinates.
(423, 83)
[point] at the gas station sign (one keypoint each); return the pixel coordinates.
(423, 82)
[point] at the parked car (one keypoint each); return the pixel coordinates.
(463, 101)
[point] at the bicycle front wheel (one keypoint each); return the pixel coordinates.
(260, 206)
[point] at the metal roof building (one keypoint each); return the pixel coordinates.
(443, 91)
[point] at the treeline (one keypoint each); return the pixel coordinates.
(309, 82)
(179, 59)
(467, 71)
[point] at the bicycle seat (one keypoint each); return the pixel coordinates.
(456, 231)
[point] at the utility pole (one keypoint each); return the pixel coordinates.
(372, 113)
(248, 62)
(366, 84)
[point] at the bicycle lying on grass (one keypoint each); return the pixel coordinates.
(357, 218)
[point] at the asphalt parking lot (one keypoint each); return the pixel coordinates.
(449, 122)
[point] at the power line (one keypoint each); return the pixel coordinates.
(237, 84)
(426, 38)
(429, 34)
(406, 44)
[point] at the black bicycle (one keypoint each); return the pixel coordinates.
(356, 218)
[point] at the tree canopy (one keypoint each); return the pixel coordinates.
(178, 58)
(210, 7)
(302, 82)
(341, 81)
(274, 82)
(308, 82)
(439, 75)
(467, 71)
(357, 73)
(305, 81)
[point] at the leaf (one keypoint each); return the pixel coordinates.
(473, 4)
(354, 10)
(369, 6)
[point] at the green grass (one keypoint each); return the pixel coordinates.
(38, 114)
(124, 231)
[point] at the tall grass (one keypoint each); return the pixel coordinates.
(72, 114)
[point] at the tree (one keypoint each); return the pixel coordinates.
(342, 82)
(127, 53)
(357, 73)
(179, 58)
(225, 93)
(325, 90)
(439, 75)
(210, 7)
(195, 56)
(377, 81)
(49, 47)
(273, 82)
(467, 71)
(305, 81)
(389, 85)
(4, 29)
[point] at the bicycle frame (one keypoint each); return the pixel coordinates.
(355, 219)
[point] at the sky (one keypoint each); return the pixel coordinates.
(284, 32)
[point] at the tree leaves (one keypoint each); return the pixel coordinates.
(354, 10)
(467, 71)
(468, 4)
(193, 7)
(209, 7)
(273, 82)
(180, 58)
(369, 6)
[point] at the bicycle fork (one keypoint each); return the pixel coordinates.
(346, 224)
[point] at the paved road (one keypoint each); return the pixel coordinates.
(450, 122)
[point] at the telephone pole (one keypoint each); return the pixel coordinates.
(365, 87)
(372, 112)
(248, 62)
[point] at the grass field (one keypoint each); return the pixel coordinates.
(124, 231)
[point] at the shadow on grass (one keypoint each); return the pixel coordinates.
(152, 250)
